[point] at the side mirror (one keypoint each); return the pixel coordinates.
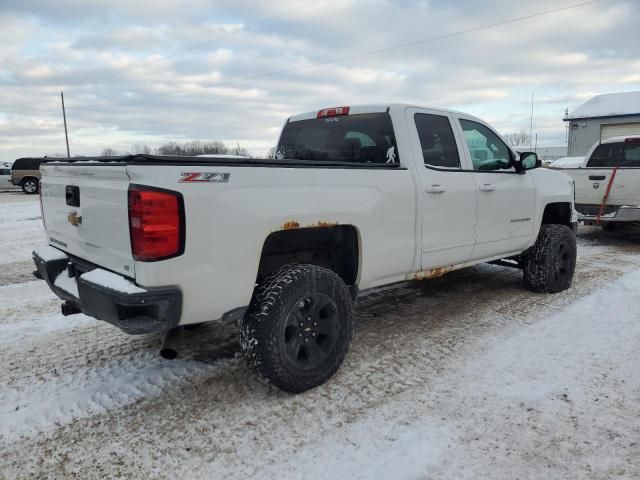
(527, 161)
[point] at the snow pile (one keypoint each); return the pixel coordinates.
(49, 254)
(28, 331)
(570, 348)
(513, 396)
(112, 281)
(567, 162)
(67, 283)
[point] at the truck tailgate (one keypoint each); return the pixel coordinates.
(85, 210)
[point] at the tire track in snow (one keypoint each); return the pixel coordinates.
(42, 406)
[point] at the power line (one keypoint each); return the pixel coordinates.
(392, 48)
(217, 39)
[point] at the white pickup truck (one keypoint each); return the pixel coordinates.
(608, 183)
(357, 197)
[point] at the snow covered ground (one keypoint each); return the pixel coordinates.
(466, 376)
(567, 162)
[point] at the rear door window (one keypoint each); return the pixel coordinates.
(438, 144)
(359, 138)
(609, 155)
(26, 164)
(632, 155)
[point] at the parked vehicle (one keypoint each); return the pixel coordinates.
(25, 173)
(357, 197)
(608, 183)
(5, 177)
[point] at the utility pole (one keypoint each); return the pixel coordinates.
(64, 117)
(531, 125)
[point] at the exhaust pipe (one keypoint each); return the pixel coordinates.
(68, 308)
(171, 343)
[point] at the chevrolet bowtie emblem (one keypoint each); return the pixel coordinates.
(74, 219)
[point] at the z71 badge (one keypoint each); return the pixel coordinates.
(202, 177)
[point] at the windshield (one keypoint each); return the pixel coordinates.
(362, 138)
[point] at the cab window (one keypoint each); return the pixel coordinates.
(609, 155)
(359, 138)
(488, 152)
(438, 144)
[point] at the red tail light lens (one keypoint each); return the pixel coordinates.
(333, 112)
(632, 140)
(156, 223)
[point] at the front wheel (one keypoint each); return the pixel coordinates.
(550, 263)
(30, 186)
(299, 327)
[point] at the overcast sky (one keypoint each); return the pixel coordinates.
(126, 82)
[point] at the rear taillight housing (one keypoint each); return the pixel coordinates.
(156, 223)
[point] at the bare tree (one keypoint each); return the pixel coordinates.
(517, 139)
(109, 152)
(193, 148)
(171, 148)
(238, 150)
(271, 153)
(215, 147)
(181, 149)
(140, 148)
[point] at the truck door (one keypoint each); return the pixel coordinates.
(506, 200)
(448, 190)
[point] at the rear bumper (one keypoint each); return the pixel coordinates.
(621, 214)
(145, 311)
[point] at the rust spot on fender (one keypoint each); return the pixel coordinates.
(293, 225)
(290, 225)
(433, 273)
(322, 224)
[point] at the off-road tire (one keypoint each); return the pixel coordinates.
(549, 265)
(30, 186)
(272, 319)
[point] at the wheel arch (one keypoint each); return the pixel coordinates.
(29, 177)
(336, 247)
(557, 213)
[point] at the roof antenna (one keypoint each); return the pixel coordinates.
(531, 126)
(64, 116)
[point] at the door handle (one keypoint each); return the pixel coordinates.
(597, 177)
(487, 187)
(435, 189)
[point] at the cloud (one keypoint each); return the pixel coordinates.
(126, 84)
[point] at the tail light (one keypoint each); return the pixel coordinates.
(156, 223)
(333, 112)
(632, 140)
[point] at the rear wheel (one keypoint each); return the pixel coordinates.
(299, 327)
(609, 226)
(550, 263)
(30, 186)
